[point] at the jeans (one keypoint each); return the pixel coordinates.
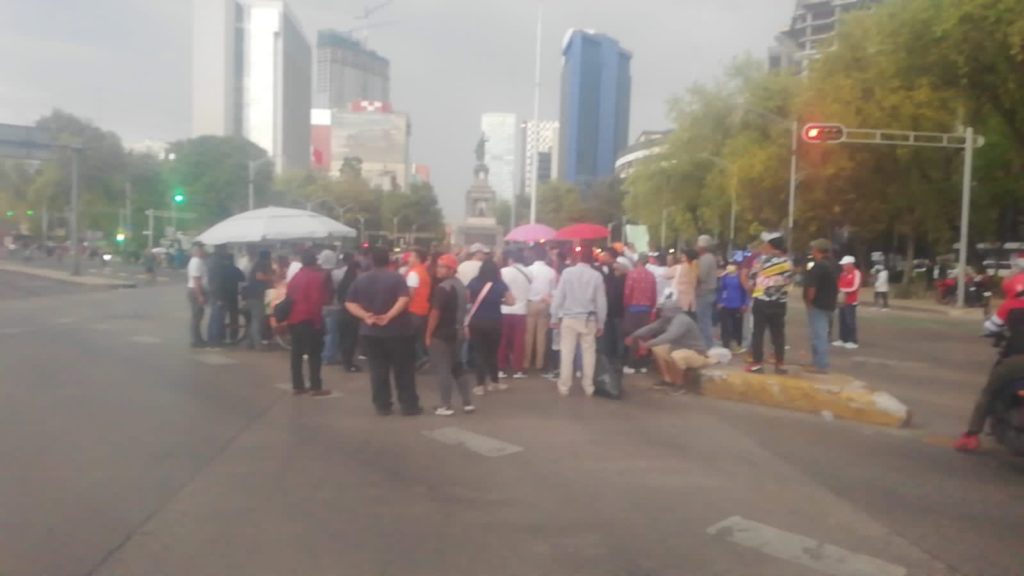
(818, 321)
(486, 338)
(215, 327)
(419, 324)
(732, 326)
(389, 355)
(444, 357)
(513, 339)
(584, 332)
(848, 323)
(770, 316)
(257, 317)
(538, 318)
(705, 317)
(331, 347)
(308, 341)
(348, 335)
(196, 321)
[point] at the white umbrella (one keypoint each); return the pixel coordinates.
(275, 224)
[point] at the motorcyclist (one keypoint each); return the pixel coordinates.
(1008, 322)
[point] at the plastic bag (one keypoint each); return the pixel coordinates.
(607, 378)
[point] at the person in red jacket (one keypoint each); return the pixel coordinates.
(639, 298)
(309, 292)
(850, 280)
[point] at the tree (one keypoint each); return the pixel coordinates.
(560, 204)
(416, 210)
(503, 212)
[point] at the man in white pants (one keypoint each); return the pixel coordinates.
(579, 308)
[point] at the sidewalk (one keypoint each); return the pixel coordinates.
(63, 276)
(930, 306)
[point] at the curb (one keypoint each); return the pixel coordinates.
(61, 276)
(832, 395)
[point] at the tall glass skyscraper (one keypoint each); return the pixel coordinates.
(502, 132)
(596, 87)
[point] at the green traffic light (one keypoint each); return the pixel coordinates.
(30, 212)
(10, 213)
(179, 197)
(120, 237)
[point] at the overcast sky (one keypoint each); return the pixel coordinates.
(125, 64)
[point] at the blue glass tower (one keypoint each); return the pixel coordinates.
(596, 86)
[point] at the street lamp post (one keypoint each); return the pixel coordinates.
(253, 164)
(732, 193)
(362, 227)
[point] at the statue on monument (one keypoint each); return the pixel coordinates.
(481, 171)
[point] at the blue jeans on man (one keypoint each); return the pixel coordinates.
(215, 327)
(819, 320)
(332, 345)
(705, 317)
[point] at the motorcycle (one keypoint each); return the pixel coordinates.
(1006, 411)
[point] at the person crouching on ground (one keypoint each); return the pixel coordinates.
(675, 342)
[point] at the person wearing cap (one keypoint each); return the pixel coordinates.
(732, 300)
(198, 288)
(707, 288)
(820, 294)
(328, 261)
(471, 267)
(849, 291)
(444, 334)
(771, 279)
(675, 342)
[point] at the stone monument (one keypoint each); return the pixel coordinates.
(480, 224)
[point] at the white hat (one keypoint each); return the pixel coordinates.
(848, 260)
(704, 241)
(478, 247)
(624, 262)
(769, 236)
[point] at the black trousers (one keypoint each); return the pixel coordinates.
(770, 316)
(485, 337)
(307, 340)
(231, 311)
(348, 336)
(732, 326)
(387, 355)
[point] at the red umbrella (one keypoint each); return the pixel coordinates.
(582, 232)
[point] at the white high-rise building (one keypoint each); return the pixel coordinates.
(502, 133)
(540, 154)
(252, 77)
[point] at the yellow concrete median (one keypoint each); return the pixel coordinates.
(833, 395)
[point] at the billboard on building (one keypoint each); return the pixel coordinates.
(380, 140)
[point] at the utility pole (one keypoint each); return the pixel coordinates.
(965, 216)
(534, 168)
(792, 184)
(128, 208)
(76, 262)
(149, 213)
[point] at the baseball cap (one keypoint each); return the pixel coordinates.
(448, 261)
(478, 247)
(704, 241)
(848, 260)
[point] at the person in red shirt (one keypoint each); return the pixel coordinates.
(850, 280)
(309, 292)
(419, 283)
(640, 298)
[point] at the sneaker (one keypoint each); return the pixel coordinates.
(628, 370)
(852, 346)
(492, 387)
(643, 370)
(781, 370)
(519, 375)
(501, 386)
(361, 357)
(443, 411)
(479, 390)
(469, 409)
(967, 443)
(839, 343)
(563, 393)
(501, 374)
(755, 368)
(553, 375)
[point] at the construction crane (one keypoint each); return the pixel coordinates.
(373, 9)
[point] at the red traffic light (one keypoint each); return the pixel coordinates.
(824, 133)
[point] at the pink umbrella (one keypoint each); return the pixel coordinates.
(531, 233)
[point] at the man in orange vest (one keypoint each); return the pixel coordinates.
(419, 283)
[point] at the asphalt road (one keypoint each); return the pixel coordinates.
(125, 453)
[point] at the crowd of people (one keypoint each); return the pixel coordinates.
(481, 321)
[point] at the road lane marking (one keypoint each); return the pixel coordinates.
(801, 549)
(287, 387)
(146, 339)
(478, 443)
(215, 359)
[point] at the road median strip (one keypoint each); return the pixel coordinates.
(832, 395)
(62, 276)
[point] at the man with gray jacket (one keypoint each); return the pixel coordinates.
(675, 342)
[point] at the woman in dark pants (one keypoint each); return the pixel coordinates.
(487, 292)
(348, 325)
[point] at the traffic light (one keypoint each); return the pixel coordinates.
(179, 196)
(120, 237)
(10, 213)
(824, 133)
(30, 212)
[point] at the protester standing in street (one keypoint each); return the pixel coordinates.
(772, 279)
(732, 299)
(882, 286)
(579, 310)
(640, 296)
(261, 277)
(611, 341)
(197, 285)
(707, 288)
(418, 280)
(849, 291)
(444, 334)
(225, 279)
(379, 299)
(751, 259)
(543, 280)
(348, 325)
(489, 293)
(513, 318)
(308, 294)
(820, 293)
(471, 267)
